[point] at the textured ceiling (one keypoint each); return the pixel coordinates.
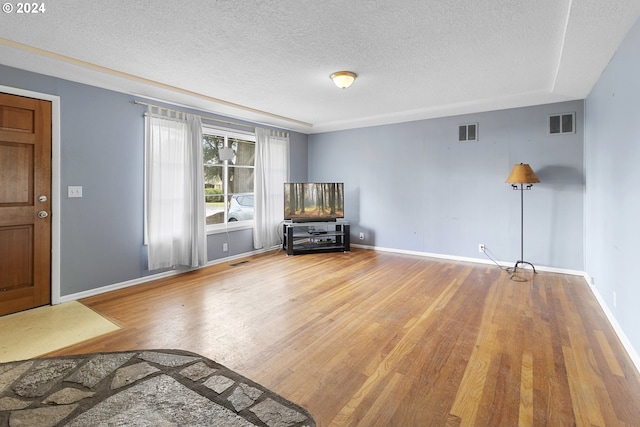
(270, 60)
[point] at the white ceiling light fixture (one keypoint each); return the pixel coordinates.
(343, 79)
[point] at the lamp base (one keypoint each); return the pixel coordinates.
(523, 262)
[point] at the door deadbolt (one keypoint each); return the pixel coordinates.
(42, 198)
(43, 214)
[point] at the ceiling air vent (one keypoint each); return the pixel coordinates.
(468, 132)
(559, 124)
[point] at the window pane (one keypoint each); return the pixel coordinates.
(245, 151)
(240, 180)
(241, 207)
(214, 197)
(233, 178)
(210, 146)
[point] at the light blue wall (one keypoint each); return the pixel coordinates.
(413, 187)
(612, 205)
(298, 157)
(102, 150)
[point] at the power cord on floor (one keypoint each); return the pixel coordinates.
(507, 269)
(510, 270)
(280, 233)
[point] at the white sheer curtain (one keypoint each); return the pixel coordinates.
(271, 172)
(174, 199)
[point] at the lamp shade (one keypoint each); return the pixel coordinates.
(522, 174)
(343, 79)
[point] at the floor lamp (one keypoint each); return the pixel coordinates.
(522, 177)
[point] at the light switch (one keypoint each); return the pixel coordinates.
(75, 191)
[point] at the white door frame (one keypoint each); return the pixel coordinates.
(55, 182)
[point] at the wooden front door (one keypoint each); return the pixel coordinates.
(25, 203)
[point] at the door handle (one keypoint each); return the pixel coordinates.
(43, 214)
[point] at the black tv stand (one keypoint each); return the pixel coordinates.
(313, 237)
(316, 232)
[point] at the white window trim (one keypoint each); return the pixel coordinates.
(230, 133)
(230, 226)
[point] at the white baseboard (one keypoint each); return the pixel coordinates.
(150, 278)
(467, 259)
(610, 317)
(116, 286)
(133, 282)
(631, 351)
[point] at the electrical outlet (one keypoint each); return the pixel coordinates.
(225, 247)
(361, 235)
(481, 247)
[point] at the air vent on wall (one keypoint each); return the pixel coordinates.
(468, 132)
(559, 124)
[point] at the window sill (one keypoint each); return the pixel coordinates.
(230, 227)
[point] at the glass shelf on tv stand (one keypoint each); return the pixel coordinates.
(311, 237)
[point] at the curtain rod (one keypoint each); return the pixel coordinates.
(228, 122)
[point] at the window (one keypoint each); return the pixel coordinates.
(468, 132)
(228, 176)
(562, 123)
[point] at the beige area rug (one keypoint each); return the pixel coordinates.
(42, 330)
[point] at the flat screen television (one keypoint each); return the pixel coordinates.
(313, 201)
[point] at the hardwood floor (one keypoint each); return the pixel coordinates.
(380, 339)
